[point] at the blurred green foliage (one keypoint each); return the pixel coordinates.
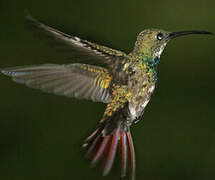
(41, 134)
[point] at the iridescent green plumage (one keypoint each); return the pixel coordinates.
(126, 85)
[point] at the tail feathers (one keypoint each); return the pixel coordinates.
(103, 148)
(124, 153)
(112, 152)
(132, 153)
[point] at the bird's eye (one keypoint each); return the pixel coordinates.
(159, 36)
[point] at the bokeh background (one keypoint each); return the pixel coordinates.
(41, 134)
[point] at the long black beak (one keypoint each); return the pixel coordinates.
(182, 33)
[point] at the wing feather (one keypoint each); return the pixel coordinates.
(104, 54)
(73, 80)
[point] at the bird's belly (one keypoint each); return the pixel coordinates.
(136, 111)
(137, 104)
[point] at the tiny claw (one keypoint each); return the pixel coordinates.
(84, 145)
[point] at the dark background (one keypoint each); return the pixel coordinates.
(41, 134)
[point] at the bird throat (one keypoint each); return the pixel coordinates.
(159, 51)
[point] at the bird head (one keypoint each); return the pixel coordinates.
(151, 42)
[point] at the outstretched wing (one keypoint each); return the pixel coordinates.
(72, 80)
(98, 52)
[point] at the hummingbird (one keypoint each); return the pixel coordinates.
(125, 84)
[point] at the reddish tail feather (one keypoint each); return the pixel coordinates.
(103, 148)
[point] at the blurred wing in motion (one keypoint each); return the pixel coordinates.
(72, 80)
(101, 53)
